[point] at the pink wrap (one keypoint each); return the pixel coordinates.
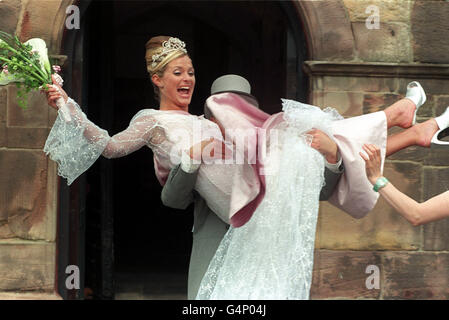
(233, 112)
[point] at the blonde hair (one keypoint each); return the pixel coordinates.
(154, 46)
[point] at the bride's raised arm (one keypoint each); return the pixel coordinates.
(75, 142)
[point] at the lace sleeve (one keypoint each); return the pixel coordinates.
(75, 142)
(143, 130)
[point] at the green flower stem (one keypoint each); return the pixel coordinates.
(45, 81)
(27, 60)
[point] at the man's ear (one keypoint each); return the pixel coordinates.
(156, 80)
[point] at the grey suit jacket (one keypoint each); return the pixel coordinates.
(208, 229)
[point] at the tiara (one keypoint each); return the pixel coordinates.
(168, 46)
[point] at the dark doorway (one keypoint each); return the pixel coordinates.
(134, 246)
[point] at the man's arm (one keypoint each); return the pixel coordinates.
(178, 190)
(332, 174)
(334, 166)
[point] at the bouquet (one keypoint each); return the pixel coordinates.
(25, 64)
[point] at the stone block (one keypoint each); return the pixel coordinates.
(442, 104)
(342, 274)
(359, 84)
(389, 43)
(348, 104)
(35, 12)
(373, 102)
(389, 11)
(3, 136)
(34, 116)
(5, 231)
(436, 181)
(427, 110)
(331, 37)
(415, 275)
(27, 266)
(430, 86)
(27, 195)
(30, 138)
(413, 153)
(382, 229)
(29, 296)
(3, 103)
(53, 114)
(10, 12)
(429, 26)
(438, 157)
(316, 83)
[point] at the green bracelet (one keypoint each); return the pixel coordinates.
(380, 183)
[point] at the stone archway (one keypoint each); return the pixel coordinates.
(326, 22)
(44, 19)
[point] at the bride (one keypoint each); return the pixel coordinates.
(271, 200)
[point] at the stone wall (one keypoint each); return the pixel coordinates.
(28, 202)
(413, 261)
(28, 183)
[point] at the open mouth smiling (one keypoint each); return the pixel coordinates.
(184, 90)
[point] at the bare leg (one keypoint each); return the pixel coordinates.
(400, 113)
(420, 135)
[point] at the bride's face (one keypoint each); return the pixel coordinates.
(177, 84)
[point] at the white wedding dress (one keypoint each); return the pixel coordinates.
(271, 256)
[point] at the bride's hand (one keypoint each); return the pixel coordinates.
(196, 151)
(55, 92)
(324, 145)
(209, 150)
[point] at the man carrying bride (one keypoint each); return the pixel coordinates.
(208, 231)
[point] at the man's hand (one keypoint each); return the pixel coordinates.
(324, 145)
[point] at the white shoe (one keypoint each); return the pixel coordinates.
(443, 125)
(416, 93)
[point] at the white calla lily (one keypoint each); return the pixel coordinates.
(40, 46)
